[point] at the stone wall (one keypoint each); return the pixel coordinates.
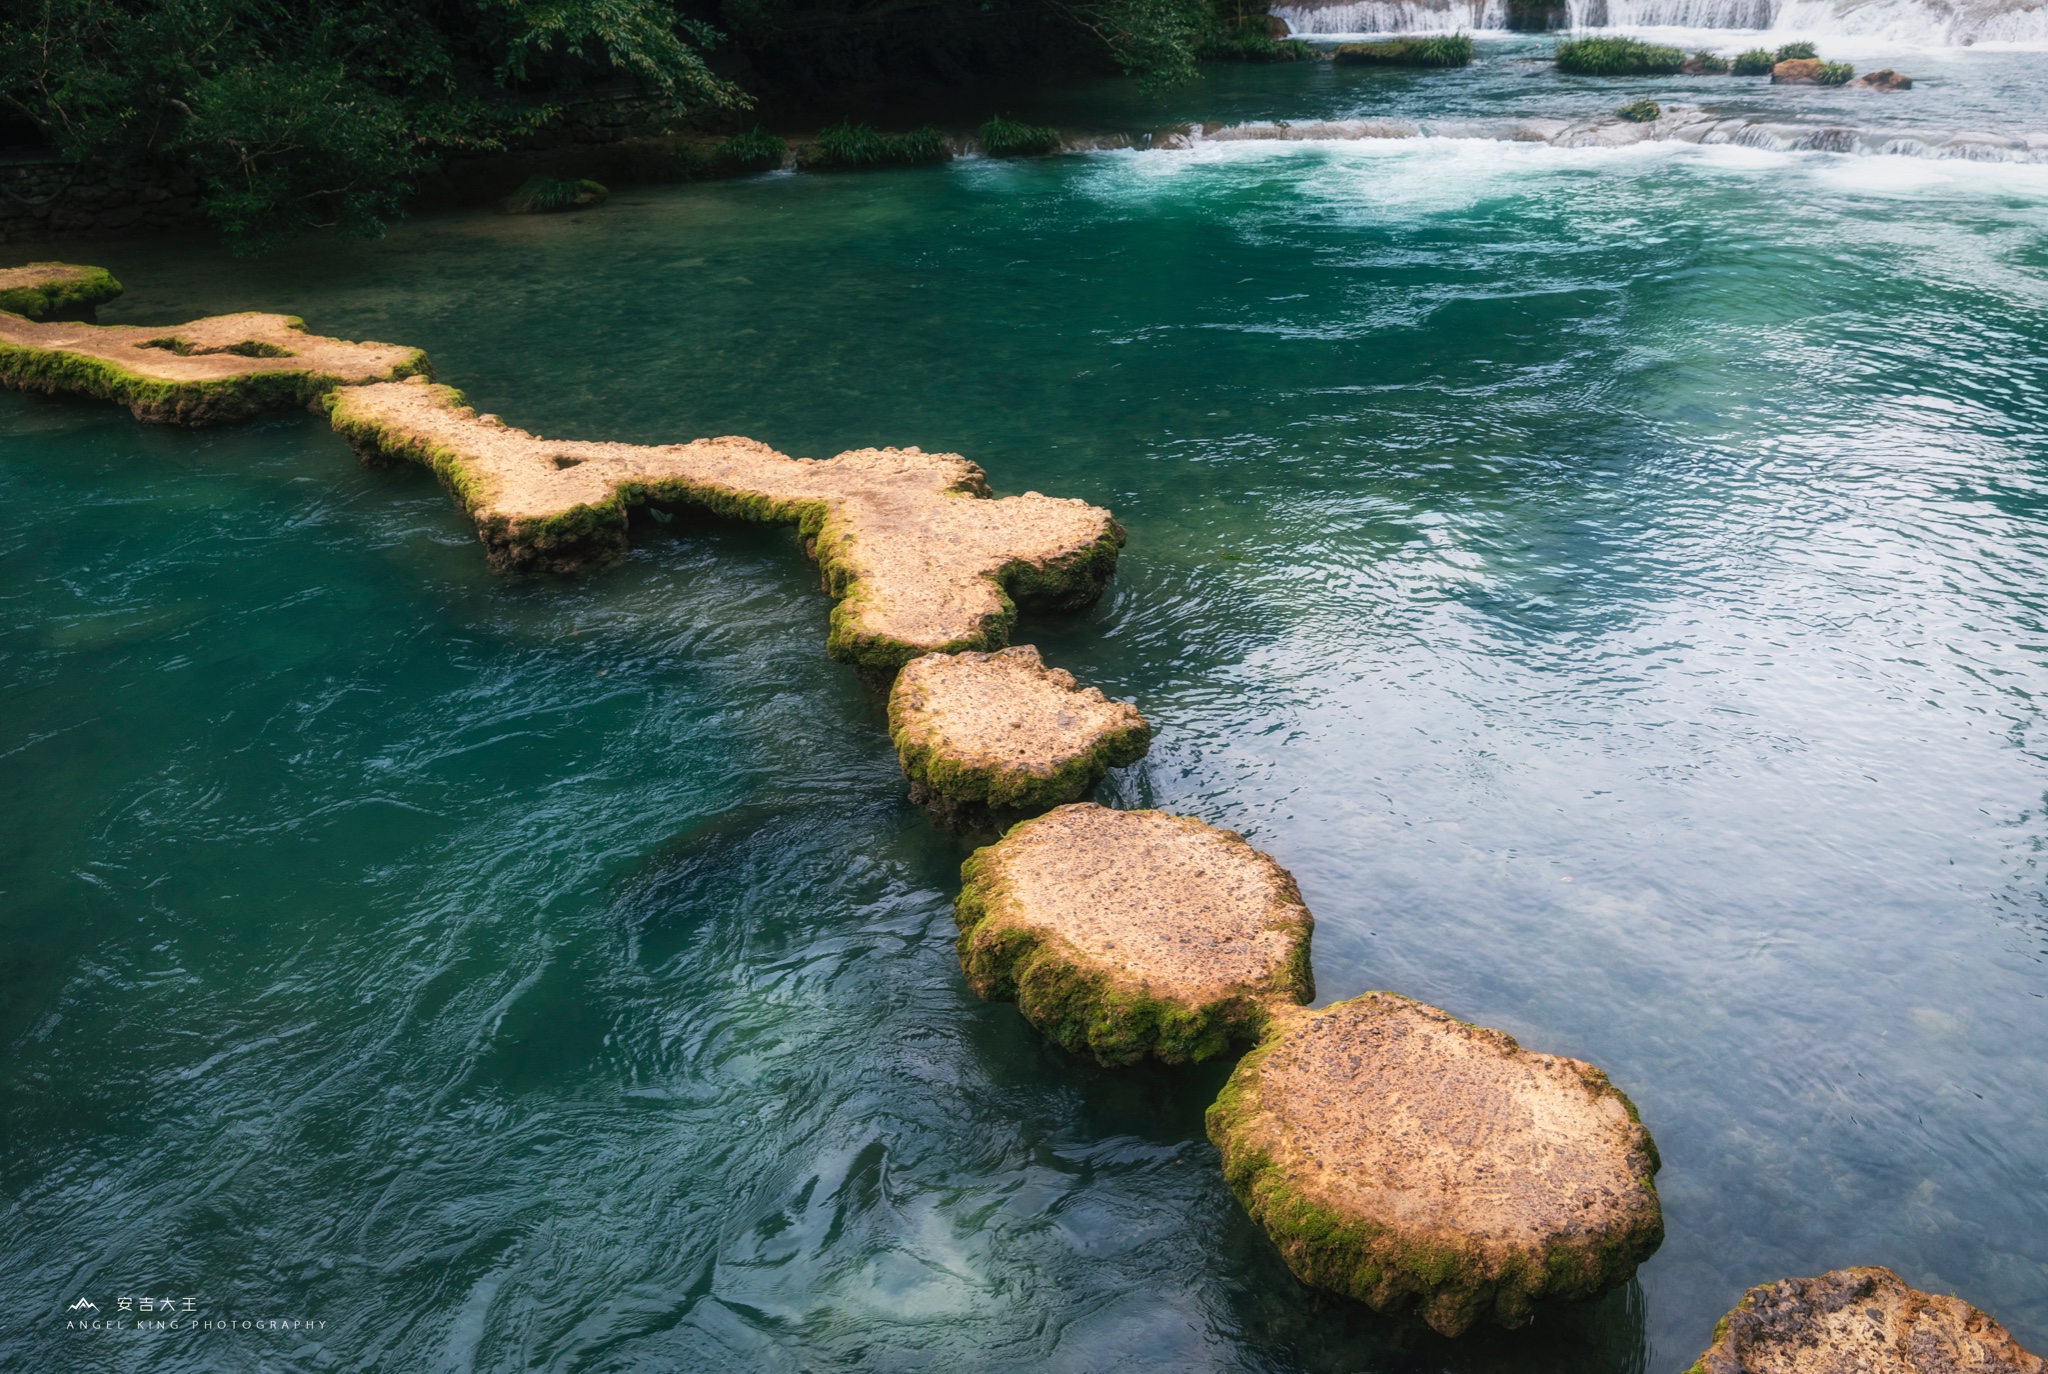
(43, 196)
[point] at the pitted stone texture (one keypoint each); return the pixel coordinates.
(1133, 933)
(1002, 730)
(1859, 1321)
(210, 371)
(920, 553)
(1405, 1158)
(56, 290)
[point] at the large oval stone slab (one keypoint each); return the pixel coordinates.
(1859, 1321)
(1400, 1156)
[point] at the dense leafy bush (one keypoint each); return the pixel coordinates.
(1755, 62)
(847, 144)
(1617, 57)
(1448, 50)
(1641, 112)
(1007, 138)
(753, 151)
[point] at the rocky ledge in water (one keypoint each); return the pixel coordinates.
(211, 371)
(1402, 1157)
(1859, 1321)
(56, 290)
(984, 733)
(1127, 934)
(922, 558)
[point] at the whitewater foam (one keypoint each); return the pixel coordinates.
(1912, 23)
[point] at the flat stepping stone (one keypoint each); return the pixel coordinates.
(1859, 1321)
(1402, 1157)
(1123, 934)
(922, 558)
(979, 732)
(211, 371)
(56, 290)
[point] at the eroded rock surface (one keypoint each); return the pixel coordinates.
(993, 732)
(1886, 80)
(210, 371)
(56, 290)
(1400, 1156)
(1124, 934)
(922, 558)
(1859, 1321)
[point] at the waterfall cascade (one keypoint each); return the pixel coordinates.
(1930, 23)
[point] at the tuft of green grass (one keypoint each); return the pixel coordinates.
(847, 144)
(1446, 50)
(1755, 62)
(1617, 57)
(755, 150)
(1245, 45)
(544, 194)
(1641, 112)
(1007, 138)
(1794, 52)
(1834, 73)
(1704, 63)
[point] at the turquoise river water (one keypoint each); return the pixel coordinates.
(1612, 580)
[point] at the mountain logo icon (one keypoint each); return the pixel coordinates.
(83, 1305)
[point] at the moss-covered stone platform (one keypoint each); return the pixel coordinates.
(1859, 1321)
(1127, 934)
(922, 558)
(210, 371)
(984, 733)
(1400, 1156)
(56, 290)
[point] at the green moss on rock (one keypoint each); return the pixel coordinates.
(1446, 50)
(56, 290)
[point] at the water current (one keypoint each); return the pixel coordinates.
(1611, 579)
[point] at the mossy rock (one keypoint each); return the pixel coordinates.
(1402, 1157)
(1127, 935)
(56, 290)
(1810, 71)
(213, 371)
(985, 733)
(1618, 57)
(919, 555)
(1865, 1320)
(1451, 50)
(544, 195)
(1641, 112)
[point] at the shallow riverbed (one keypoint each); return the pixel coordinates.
(1612, 580)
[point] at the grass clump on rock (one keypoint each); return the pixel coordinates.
(1247, 44)
(1704, 63)
(1810, 71)
(1404, 1158)
(754, 150)
(1641, 112)
(919, 556)
(56, 290)
(1794, 52)
(1617, 57)
(542, 195)
(1449, 50)
(1000, 732)
(1861, 1319)
(1008, 138)
(1755, 62)
(847, 144)
(211, 371)
(1133, 934)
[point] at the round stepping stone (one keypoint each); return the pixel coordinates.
(1859, 1321)
(1123, 934)
(56, 290)
(1002, 731)
(1402, 1157)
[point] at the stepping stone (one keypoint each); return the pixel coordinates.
(1123, 934)
(922, 558)
(1859, 1321)
(1002, 732)
(208, 372)
(56, 290)
(1402, 1157)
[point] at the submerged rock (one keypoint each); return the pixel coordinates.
(922, 558)
(1002, 732)
(1127, 934)
(541, 195)
(1402, 1157)
(1859, 1321)
(1885, 80)
(210, 371)
(56, 290)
